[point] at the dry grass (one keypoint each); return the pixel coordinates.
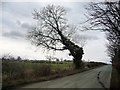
(17, 72)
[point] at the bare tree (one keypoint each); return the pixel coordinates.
(53, 32)
(7, 57)
(19, 58)
(105, 16)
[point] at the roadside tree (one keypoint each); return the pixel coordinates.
(54, 33)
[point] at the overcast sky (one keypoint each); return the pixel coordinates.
(17, 21)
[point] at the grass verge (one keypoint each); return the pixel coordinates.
(18, 83)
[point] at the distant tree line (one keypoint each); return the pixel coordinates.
(10, 57)
(52, 60)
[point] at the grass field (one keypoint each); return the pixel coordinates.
(16, 72)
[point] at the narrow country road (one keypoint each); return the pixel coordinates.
(95, 78)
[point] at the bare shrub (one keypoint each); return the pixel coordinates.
(42, 70)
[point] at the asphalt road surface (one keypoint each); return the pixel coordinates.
(95, 78)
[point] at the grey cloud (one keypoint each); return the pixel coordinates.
(19, 32)
(86, 35)
(89, 37)
(24, 25)
(13, 34)
(18, 22)
(16, 8)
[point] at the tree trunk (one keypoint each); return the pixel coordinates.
(75, 51)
